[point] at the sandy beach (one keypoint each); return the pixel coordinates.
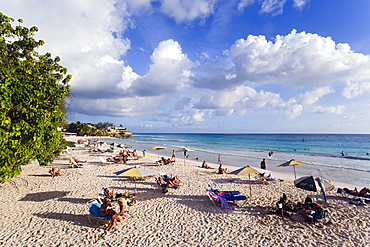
(39, 210)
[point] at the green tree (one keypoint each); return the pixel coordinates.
(32, 92)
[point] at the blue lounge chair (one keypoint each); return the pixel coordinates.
(230, 196)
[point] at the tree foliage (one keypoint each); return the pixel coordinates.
(32, 92)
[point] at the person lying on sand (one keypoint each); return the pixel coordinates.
(362, 192)
(120, 216)
(205, 165)
(174, 180)
(164, 160)
(113, 194)
(79, 161)
(163, 183)
(221, 170)
(105, 209)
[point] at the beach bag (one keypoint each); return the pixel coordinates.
(319, 213)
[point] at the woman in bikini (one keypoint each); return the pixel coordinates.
(120, 216)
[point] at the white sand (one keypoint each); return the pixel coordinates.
(38, 210)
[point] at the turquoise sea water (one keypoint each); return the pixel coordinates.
(321, 151)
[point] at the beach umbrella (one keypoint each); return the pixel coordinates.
(293, 163)
(185, 150)
(135, 172)
(248, 170)
(158, 148)
(315, 184)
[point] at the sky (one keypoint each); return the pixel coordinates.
(209, 66)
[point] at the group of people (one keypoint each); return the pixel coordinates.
(106, 208)
(309, 210)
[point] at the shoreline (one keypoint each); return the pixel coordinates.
(38, 210)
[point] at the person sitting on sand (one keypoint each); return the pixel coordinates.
(105, 210)
(221, 170)
(362, 192)
(55, 173)
(120, 216)
(205, 165)
(282, 207)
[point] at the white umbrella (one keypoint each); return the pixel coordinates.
(185, 150)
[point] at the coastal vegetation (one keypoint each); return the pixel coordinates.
(33, 90)
(99, 129)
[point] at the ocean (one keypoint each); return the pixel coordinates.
(322, 152)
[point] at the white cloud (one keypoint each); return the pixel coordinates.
(126, 107)
(332, 110)
(297, 59)
(274, 7)
(193, 117)
(245, 3)
(311, 97)
(183, 10)
(169, 72)
(239, 101)
(299, 4)
(353, 90)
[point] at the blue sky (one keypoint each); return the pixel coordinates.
(241, 66)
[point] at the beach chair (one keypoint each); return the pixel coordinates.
(74, 164)
(104, 161)
(229, 196)
(172, 162)
(217, 200)
(94, 209)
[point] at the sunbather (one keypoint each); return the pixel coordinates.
(113, 194)
(362, 192)
(120, 216)
(174, 180)
(105, 209)
(55, 172)
(222, 170)
(163, 183)
(79, 161)
(205, 165)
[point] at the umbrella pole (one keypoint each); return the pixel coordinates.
(295, 175)
(250, 187)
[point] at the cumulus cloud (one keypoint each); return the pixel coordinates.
(332, 110)
(297, 59)
(169, 72)
(238, 101)
(123, 107)
(353, 89)
(192, 117)
(182, 10)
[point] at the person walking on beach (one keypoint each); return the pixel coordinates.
(263, 164)
(173, 155)
(219, 159)
(144, 152)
